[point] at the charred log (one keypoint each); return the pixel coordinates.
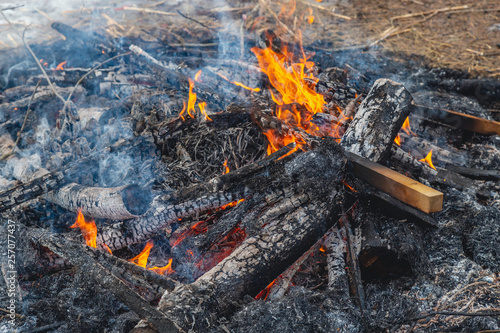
(261, 258)
(378, 120)
(124, 202)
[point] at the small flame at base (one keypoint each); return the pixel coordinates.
(428, 160)
(88, 229)
(142, 259)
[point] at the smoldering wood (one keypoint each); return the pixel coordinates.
(378, 120)
(399, 155)
(422, 146)
(461, 120)
(355, 280)
(193, 200)
(262, 257)
(123, 202)
(49, 182)
(78, 255)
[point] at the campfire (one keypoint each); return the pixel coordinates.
(241, 177)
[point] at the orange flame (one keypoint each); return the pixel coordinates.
(232, 204)
(192, 101)
(88, 229)
(202, 107)
(428, 160)
(197, 76)
(397, 140)
(265, 292)
(165, 269)
(310, 17)
(239, 84)
(406, 127)
(226, 168)
(142, 259)
(60, 67)
(295, 87)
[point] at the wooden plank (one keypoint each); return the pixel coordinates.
(462, 120)
(395, 184)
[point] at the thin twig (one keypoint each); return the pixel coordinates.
(435, 11)
(149, 11)
(34, 57)
(11, 8)
(326, 10)
(194, 20)
(24, 124)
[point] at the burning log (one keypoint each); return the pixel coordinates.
(193, 200)
(378, 120)
(123, 202)
(78, 255)
(261, 258)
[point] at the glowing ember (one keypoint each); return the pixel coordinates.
(428, 160)
(232, 204)
(226, 168)
(322, 248)
(88, 229)
(108, 249)
(265, 293)
(60, 67)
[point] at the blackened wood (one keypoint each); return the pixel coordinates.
(195, 199)
(78, 255)
(123, 202)
(378, 120)
(475, 173)
(397, 209)
(354, 269)
(461, 120)
(49, 182)
(278, 244)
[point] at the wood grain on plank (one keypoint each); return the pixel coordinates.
(400, 187)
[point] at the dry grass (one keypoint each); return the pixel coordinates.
(449, 33)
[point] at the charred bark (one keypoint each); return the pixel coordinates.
(378, 120)
(282, 239)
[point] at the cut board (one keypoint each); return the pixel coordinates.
(400, 187)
